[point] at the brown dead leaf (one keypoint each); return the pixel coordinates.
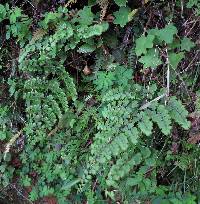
(194, 138)
(87, 71)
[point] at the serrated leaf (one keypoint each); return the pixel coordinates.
(2, 135)
(143, 43)
(95, 30)
(33, 195)
(186, 44)
(15, 14)
(85, 16)
(175, 58)
(178, 112)
(145, 124)
(104, 80)
(162, 118)
(133, 135)
(121, 2)
(151, 59)
(2, 12)
(85, 48)
(122, 16)
(167, 34)
(126, 73)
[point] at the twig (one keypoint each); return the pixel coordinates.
(11, 142)
(146, 105)
(191, 63)
(184, 181)
(168, 73)
(13, 186)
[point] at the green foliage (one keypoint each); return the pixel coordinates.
(186, 44)
(151, 59)
(146, 47)
(122, 16)
(175, 58)
(102, 136)
(194, 4)
(143, 43)
(121, 2)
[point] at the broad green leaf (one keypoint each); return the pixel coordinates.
(26, 181)
(143, 43)
(134, 181)
(95, 30)
(85, 48)
(175, 58)
(15, 14)
(2, 135)
(121, 2)
(186, 44)
(2, 12)
(85, 16)
(191, 3)
(167, 34)
(50, 17)
(122, 16)
(133, 135)
(151, 59)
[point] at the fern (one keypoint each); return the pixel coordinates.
(121, 128)
(132, 59)
(145, 124)
(178, 113)
(162, 118)
(83, 142)
(37, 35)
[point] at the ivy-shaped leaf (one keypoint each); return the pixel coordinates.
(167, 34)
(143, 43)
(122, 16)
(186, 44)
(151, 59)
(175, 58)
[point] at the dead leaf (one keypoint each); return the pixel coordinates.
(87, 71)
(193, 139)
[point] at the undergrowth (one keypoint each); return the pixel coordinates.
(94, 102)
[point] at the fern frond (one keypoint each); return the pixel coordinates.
(145, 124)
(37, 35)
(132, 58)
(178, 112)
(162, 118)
